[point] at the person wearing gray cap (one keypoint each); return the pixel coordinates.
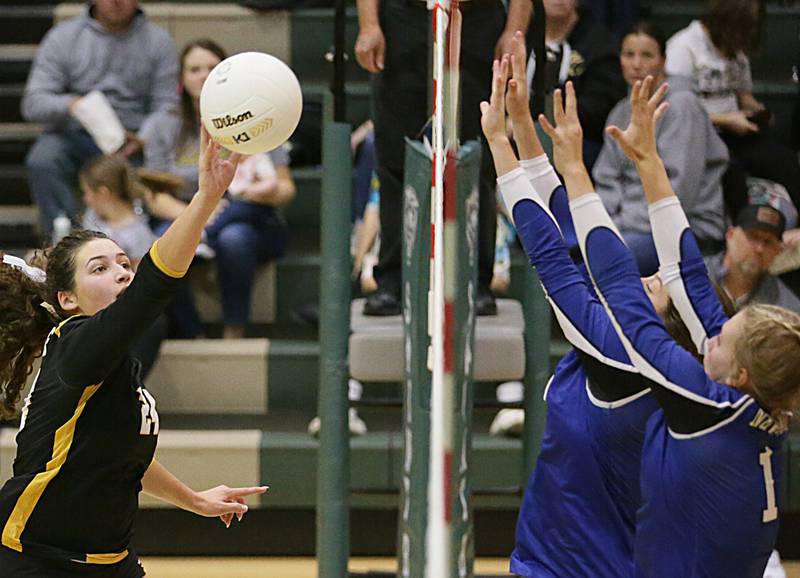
(751, 246)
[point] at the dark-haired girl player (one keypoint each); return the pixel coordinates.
(89, 428)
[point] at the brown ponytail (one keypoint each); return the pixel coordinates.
(29, 310)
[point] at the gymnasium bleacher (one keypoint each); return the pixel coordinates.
(236, 411)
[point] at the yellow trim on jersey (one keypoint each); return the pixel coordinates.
(161, 265)
(15, 525)
(67, 320)
(106, 558)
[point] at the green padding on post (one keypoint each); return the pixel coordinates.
(537, 370)
(417, 386)
(333, 524)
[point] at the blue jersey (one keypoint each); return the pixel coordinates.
(578, 514)
(711, 464)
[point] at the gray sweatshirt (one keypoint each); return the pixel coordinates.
(695, 158)
(136, 70)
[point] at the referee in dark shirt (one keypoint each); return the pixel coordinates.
(89, 428)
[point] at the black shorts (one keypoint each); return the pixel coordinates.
(19, 565)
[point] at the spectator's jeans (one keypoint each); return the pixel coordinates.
(244, 236)
(53, 164)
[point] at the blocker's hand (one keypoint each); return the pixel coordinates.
(567, 134)
(225, 502)
(518, 97)
(493, 113)
(638, 141)
(215, 173)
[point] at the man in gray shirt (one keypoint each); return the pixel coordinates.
(112, 48)
(751, 246)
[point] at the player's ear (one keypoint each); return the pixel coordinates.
(68, 301)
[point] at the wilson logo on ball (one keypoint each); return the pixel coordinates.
(228, 120)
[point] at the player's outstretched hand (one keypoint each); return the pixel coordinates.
(638, 141)
(493, 113)
(225, 502)
(567, 134)
(216, 173)
(518, 97)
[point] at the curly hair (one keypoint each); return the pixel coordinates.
(769, 348)
(29, 310)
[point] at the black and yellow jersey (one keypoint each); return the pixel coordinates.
(88, 432)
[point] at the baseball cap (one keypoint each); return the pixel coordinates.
(763, 217)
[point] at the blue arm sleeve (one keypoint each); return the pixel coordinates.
(684, 272)
(682, 387)
(579, 313)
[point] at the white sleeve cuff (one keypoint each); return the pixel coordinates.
(542, 176)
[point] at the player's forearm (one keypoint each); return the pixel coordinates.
(504, 159)
(160, 483)
(654, 179)
(576, 180)
(177, 245)
(525, 136)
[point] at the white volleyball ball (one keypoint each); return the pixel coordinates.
(251, 102)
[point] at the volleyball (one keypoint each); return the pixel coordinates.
(251, 102)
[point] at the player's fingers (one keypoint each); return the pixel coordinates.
(558, 107)
(658, 96)
(662, 108)
(547, 127)
(572, 101)
(234, 493)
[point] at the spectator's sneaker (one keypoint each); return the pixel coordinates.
(485, 304)
(356, 424)
(508, 423)
(774, 567)
(382, 303)
(204, 251)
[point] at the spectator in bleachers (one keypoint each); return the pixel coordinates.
(694, 155)
(249, 229)
(112, 48)
(585, 52)
(712, 52)
(110, 189)
(752, 244)
(175, 146)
